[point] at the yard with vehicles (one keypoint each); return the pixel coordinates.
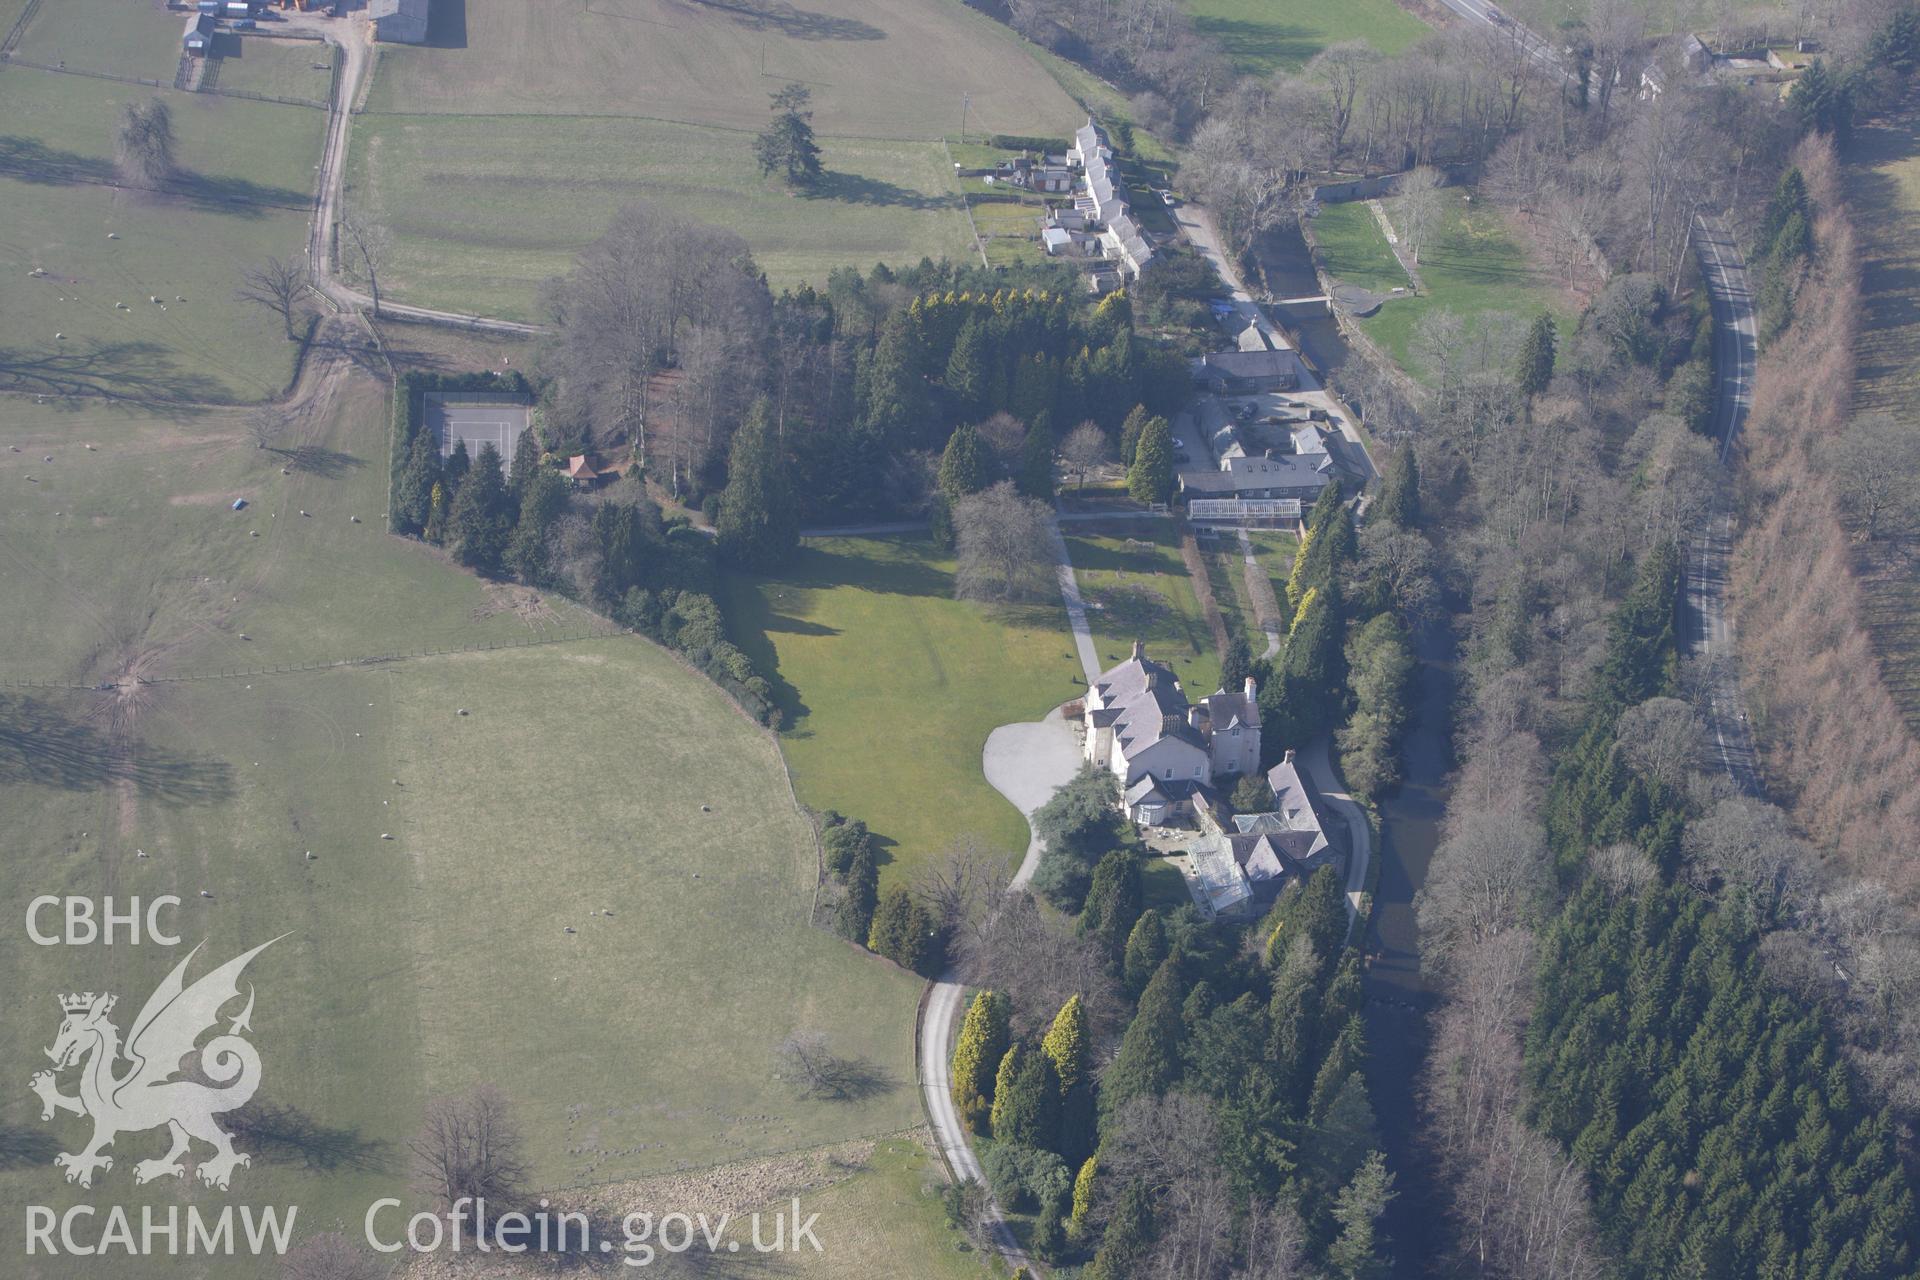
(890, 687)
(138, 284)
(482, 210)
(1263, 36)
(508, 932)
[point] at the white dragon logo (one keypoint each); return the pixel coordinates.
(157, 1089)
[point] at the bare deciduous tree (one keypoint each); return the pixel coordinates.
(1876, 475)
(144, 143)
(1662, 739)
(1487, 876)
(1004, 542)
(1084, 449)
(1039, 961)
(275, 284)
(1419, 207)
(266, 424)
(806, 1061)
(633, 305)
(1747, 844)
(469, 1146)
(370, 244)
(1274, 1245)
(965, 887)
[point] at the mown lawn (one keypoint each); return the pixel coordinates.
(1353, 249)
(482, 210)
(1137, 588)
(891, 686)
(1262, 36)
(246, 176)
(1472, 268)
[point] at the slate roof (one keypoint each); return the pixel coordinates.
(1297, 822)
(1148, 704)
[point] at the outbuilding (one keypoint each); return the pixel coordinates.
(199, 35)
(399, 21)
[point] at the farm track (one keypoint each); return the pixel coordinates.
(323, 241)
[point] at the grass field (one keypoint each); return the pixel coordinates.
(1137, 588)
(1472, 268)
(247, 177)
(418, 965)
(1263, 36)
(891, 687)
(483, 210)
(125, 39)
(1353, 250)
(278, 68)
(1883, 188)
(877, 68)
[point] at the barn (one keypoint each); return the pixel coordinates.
(400, 21)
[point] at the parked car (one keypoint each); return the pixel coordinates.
(245, 24)
(1178, 443)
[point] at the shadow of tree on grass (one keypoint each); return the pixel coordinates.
(794, 23)
(285, 1134)
(41, 746)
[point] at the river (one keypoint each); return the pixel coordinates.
(1398, 1001)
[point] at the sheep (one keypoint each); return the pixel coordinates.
(206, 893)
(385, 836)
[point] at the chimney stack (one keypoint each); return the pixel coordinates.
(1288, 757)
(1139, 651)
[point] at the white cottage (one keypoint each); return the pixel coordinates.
(1162, 748)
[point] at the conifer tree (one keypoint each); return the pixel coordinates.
(1356, 1209)
(526, 462)
(969, 373)
(1399, 501)
(1149, 1058)
(853, 918)
(1136, 422)
(902, 930)
(1533, 368)
(1114, 902)
(413, 495)
(1036, 463)
(977, 1056)
(1128, 1236)
(787, 146)
(966, 466)
(453, 471)
(1026, 1099)
(1083, 1189)
(759, 523)
(479, 523)
(1146, 948)
(1150, 479)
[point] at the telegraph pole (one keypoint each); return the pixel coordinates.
(966, 101)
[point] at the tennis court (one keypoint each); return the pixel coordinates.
(477, 418)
